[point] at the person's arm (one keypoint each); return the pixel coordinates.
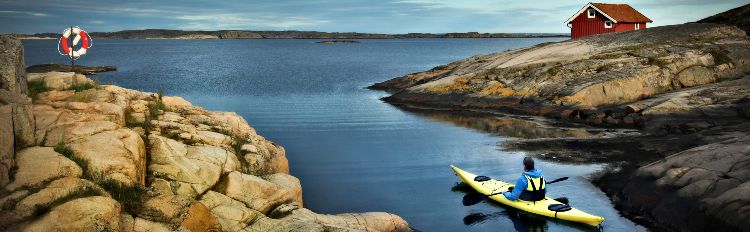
(517, 190)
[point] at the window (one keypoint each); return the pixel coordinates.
(592, 13)
(637, 26)
(607, 24)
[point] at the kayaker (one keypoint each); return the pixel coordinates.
(530, 186)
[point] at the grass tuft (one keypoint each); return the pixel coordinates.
(132, 198)
(64, 150)
(83, 86)
(78, 193)
(36, 87)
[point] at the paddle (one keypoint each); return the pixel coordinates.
(473, 198)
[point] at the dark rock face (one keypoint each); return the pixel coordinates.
(16, 116)
(86, 70)
(739, 17)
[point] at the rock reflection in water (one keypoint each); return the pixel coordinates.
(509, 126)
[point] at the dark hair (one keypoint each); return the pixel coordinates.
(528, 163)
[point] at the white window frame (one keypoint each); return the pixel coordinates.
(637, 26)
(591, 13)
(608, 22)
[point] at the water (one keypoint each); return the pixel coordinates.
(352, 152)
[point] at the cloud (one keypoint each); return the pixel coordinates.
(244, 21)
(31, 13)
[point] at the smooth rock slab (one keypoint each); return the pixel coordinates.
(84, 214)
(119, 155)
(259, 194)
(39, 164)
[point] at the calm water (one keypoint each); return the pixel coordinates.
(351, 151)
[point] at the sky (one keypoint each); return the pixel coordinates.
(368, 16)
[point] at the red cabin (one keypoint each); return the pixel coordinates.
(598, 18)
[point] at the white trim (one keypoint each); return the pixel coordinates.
(610, 24)
(584, 9)
(589, 13)
(637, 26)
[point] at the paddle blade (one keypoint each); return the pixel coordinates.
(473, 198)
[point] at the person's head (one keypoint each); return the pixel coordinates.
(528, 164)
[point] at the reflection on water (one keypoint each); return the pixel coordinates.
(509, 126)
(522, 221)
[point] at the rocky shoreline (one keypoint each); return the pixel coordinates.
(87, 157)
(684, 87)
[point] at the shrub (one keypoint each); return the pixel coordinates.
(83, 86)
(129, 120)
(36, 87)
(721, 56)
(155, 108)
(131, 197)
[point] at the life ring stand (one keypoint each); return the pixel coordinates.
(82, 37)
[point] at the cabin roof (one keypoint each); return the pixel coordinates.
(618, 13)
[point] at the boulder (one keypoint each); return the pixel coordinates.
(232, 214)
(16, 117)
(174, 101)
(60, 80)
(119, 155)
(7, 149)
(191, 170)
(60, 189)
(261, 194)
(12, 67)
(296, 217)
(36, 165)
(93, 214)
(263, 157)
(179, 211)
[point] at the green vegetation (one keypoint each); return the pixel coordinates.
(554, 70)
(656, 61)
(132, 198)
(130, 122)
(70, 154)
(36, 87)
(606, 56)
(721, 56)
(84, 86)
(84, 96)
(80, 192)
(237, 143)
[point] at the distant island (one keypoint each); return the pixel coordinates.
(338, 41)
(241, 34)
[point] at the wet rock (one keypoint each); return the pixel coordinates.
(717, 175)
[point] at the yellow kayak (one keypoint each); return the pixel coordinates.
(537, 207)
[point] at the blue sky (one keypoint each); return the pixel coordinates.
(372, 16)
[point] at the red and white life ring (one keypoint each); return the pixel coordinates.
(83, 38)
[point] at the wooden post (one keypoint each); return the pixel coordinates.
(72, 59)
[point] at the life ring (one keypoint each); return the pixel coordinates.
(82, 37)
